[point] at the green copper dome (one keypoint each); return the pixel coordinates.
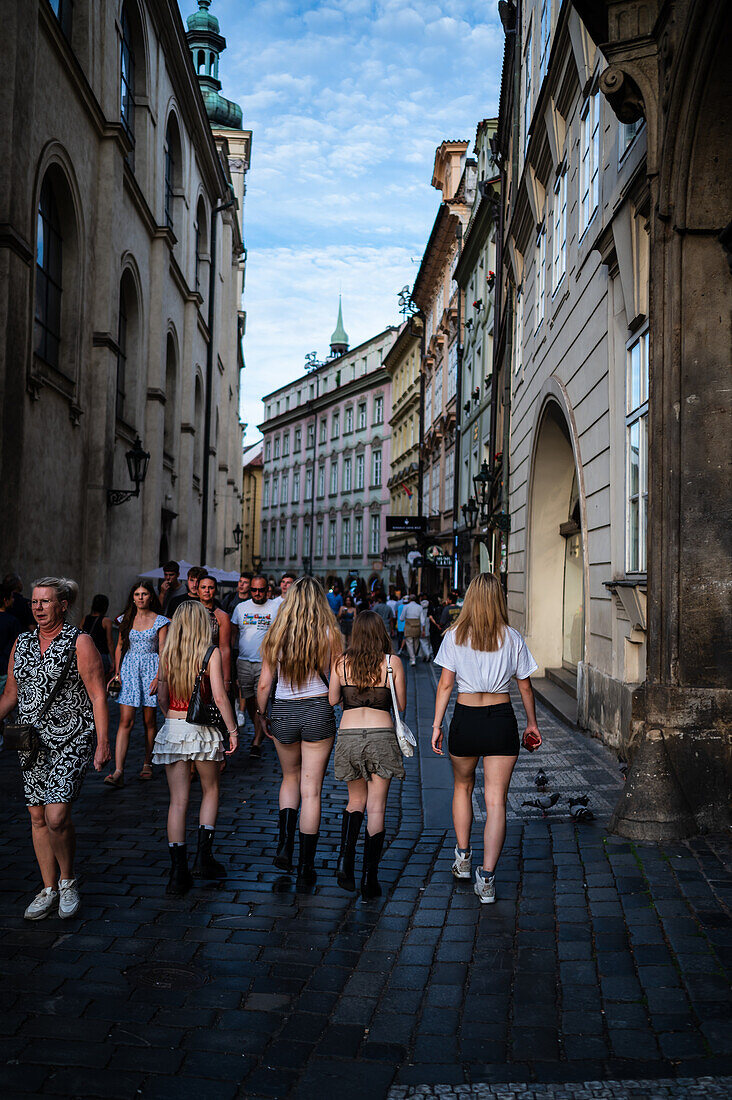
(202, 20)
(339, 339)
(206, 44)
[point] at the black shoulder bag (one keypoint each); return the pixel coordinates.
(200, 713)
(25, 736)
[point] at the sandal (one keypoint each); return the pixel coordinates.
(115, 780)
(146, 772)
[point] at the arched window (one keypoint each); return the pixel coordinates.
(202, 257)
(171, 380)
(128, 330)
(201, 62)
(49, 274)
(62, 10)
(173, 169)
(127, 77)
(132, 82)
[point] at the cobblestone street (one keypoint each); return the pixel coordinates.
(602, 961)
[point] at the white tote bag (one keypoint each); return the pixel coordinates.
(405, 737)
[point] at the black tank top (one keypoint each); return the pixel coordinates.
(378, 698)
(93, 626)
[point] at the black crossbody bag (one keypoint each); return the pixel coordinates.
(200, 713)
(25, 736)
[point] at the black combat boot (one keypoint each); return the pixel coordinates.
(205, 866)
(345, 868)
(180, 880)
(306, 859)
(286, 841)
(372, 846)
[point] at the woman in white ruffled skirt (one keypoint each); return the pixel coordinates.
(179, 743)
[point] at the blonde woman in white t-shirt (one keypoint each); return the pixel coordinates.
(483, 653)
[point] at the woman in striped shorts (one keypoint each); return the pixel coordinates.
(298, 651)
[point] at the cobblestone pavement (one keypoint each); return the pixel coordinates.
(601, 961)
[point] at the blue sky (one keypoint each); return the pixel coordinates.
(347, 101)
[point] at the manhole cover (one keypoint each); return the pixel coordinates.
(166, 977)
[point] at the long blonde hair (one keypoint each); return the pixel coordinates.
(484, 616)
(305, 636)
(189, 636)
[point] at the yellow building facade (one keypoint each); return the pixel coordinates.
(403, 365)
(251, 520)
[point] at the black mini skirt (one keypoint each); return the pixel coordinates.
(483, 731)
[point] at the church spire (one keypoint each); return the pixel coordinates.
(206, 44)
(339, 339)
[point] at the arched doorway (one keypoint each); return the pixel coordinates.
(555, 567)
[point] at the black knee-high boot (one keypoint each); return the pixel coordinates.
(204, 864)
(180, 880)
(306, 859)
(286, 841)
(372, 846)
(345, 868)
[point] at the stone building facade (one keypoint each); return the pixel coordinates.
(251, 522)
(576, 258)
(609, 392)
(327, 453)
(475, 276)
(436, 295)
(106, 328)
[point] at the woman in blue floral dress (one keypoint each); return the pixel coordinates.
(142, 634)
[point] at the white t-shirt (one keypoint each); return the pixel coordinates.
(413, 611)
(477, 671)
(315, 685)
(253, 621)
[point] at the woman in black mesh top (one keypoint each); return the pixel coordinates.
(367, 754)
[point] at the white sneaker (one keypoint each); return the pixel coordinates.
(485, 887)
(69, 900)
(461, 866)
(42, 904)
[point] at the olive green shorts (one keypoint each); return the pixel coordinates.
(361, 753)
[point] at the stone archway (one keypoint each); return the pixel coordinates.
(555, 548)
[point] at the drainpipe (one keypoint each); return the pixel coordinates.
(209, 375)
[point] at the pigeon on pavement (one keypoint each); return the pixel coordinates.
(543, 804)
(541, 779)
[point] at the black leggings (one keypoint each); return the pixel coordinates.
(483, 731)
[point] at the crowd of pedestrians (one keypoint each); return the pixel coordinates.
(318, 672)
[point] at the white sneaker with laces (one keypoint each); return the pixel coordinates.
(69, 900)
(485, 887)
(461, 866)
(42, 904)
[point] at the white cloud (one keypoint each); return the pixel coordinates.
(347, 100)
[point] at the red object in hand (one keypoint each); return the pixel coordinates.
(531, 741)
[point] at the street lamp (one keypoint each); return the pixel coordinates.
(138, 461)
(481, 482)
(470, 514)
(238, 535)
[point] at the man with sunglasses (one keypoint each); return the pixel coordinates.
(252, 619)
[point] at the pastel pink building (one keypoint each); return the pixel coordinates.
(326, 464)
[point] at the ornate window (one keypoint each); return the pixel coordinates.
(49, 271)
(375, 536)
(296, 487)
(332, 539)
(636, 470)
(589, 161)
(359, 471)
(375, 469)
(358, 536)
(127, 77)
(346, 537)
(62, 9)
(347, 467)
(559, 237)
(334, 477)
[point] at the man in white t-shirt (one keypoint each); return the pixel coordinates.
(252, 620)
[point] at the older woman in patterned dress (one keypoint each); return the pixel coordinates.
(67, 732)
